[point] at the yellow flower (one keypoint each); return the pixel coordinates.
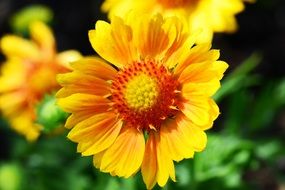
(150, 105)
(28, 73)
(207, 15)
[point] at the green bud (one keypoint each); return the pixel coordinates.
(49, 115)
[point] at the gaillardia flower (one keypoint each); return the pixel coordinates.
(207, 15)
(150, 105)
(28, 73)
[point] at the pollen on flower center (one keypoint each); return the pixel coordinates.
(144, 94)
(141, 92)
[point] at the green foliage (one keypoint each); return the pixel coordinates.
(21, 20)
(11, 176)
(269, 100)
(224, 158)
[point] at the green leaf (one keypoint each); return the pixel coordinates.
(240, 77)
(112, 184)
(223, 158)
(269, 149)
(129, 183)
(183, 174)
(237, 107)
(267, 104)
(280, 92)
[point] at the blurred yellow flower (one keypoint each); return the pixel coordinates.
(28, 73)
(151, 105)
(207, 15)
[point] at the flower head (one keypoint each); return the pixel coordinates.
(207, 15)
(150, 105)
(28, 73)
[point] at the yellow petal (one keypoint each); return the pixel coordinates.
(181, 52)
(200, 23)
(214, 113)
(223, 17)
(14, 46)
(97, 158)
(164, 163)
(172, 137)
(209, 15)
(182, 38)
(13, 75)
(203, 72)
(72, 89)
(82, 83)
(42, 35)
(95, 67)
(215, 16)
(196, 54)
(79, 102)
(220, 67)
(154, 35)
(66, 57)
(103, 138)
(149, 165)
(24, 124)
(79, 78)
(79, 116)
(122, 8)
(214, 109)
(191, 134)
(86, 130)
(112, 41)
(197, 110)
(204, 88)
(196, 72)
(11, 103)
(125, 156)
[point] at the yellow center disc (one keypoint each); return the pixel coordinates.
(141, 92)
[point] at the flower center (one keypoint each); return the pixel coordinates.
(176, 3)
(145, 94)
(141, 92)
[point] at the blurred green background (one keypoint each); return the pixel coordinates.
(245, 147)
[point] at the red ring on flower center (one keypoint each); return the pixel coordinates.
(176, 3)
(149, 116)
